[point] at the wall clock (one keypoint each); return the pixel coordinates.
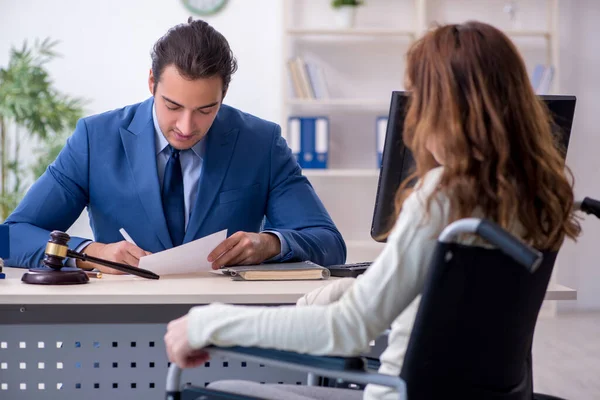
(204, 7)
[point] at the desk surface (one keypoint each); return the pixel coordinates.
(201, 288)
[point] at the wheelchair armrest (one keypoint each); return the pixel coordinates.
(307, 360)
(350, 369)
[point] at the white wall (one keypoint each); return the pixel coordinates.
(106, 49)
(106, 46)
(578, 264)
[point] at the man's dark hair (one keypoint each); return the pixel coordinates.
(197, 50)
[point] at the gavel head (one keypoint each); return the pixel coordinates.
(56, 250)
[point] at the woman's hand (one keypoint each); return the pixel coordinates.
(178, 345)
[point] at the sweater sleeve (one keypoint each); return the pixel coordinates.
(368, 307)
(326, 294)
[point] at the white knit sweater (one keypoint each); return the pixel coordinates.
(343, 317)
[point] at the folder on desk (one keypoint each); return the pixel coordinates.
(278, 272)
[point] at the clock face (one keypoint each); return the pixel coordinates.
(204, 7)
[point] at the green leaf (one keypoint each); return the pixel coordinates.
(340, 3)
(31, 103)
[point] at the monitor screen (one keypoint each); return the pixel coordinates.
(397, 162)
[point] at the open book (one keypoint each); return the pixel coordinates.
(278, 272)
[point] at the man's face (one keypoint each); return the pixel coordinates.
(185, 108)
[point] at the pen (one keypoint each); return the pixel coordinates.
(126, 236)
(93, 274)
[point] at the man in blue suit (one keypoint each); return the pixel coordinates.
(176, 167)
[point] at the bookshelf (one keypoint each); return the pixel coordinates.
(362, 65)
(357, 32)
(341, 173)
(339, 102)
(544, 34)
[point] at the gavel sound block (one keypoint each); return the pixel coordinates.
(55, 254)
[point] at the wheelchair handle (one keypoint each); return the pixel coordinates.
(589, 206)
(525, 255)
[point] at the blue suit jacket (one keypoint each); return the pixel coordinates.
(109, 165)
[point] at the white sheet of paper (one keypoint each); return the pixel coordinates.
(184, 259)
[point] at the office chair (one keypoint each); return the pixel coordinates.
(473, 331)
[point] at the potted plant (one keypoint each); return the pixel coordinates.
(34, 112)
(345, 12)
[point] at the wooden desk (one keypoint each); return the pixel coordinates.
(109, 333)
(130, 299)
(560, 292)
(201, 288)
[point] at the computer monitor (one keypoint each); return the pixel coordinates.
(397, 161)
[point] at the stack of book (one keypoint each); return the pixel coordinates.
(541, 79)
(308, 79)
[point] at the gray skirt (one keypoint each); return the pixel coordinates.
(285, 392)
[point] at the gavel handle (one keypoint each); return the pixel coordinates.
(144, 273)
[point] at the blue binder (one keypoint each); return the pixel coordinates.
(293, 136)
(313, 149)
(380, 131)
(4, 242)
(4, 246)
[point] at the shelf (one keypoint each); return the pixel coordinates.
(362, 95)
(339, 102)
(341, 173)
(371, 244)
(365, 32)
(526, 33)
(391, 32)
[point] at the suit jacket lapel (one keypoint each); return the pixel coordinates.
(138, 141)
(220, 143)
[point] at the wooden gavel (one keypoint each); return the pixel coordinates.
(57, 250)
